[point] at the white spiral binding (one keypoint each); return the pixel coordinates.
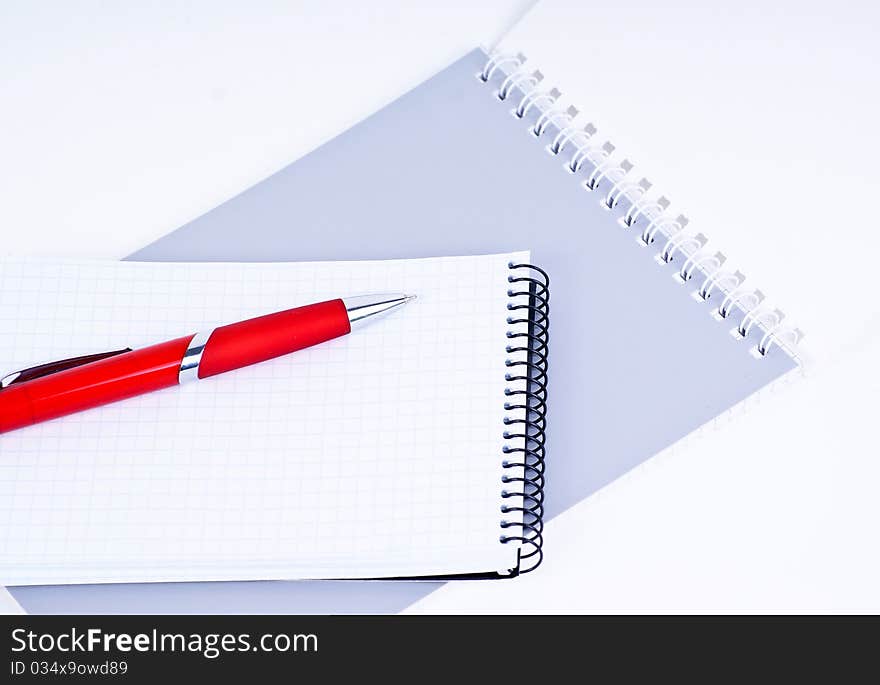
(723, 280)
(646, 206)
(535, 99)
(700, 260)
(662, 223)
(684, 243)
(571, 134)
(552, 116)
(594, 153)
(630, 190)
(743, 298)
(521, 80)
(643, 205)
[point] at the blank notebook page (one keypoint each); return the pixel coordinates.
(375, 454)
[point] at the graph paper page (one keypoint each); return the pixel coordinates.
(375, 454)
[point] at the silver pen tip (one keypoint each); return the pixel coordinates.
(363, 307)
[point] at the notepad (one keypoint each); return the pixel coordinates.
(646, 348)
(390, 452)
(655, 334)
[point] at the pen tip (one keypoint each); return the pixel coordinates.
(410, 298)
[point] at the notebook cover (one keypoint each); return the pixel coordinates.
(446, 169)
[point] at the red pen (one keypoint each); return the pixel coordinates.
(59, 388)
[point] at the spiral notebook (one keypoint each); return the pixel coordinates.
(654, 335)
(651, 327)
(412, 447)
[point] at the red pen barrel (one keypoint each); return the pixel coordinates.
(91, 385)
(159, 366)
(266, 337)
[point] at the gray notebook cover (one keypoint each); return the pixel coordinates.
(636, 362)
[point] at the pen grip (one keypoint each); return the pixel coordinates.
(266, 337)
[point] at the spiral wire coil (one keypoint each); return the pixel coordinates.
(604, 167)
(523, 493)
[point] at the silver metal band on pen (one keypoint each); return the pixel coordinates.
(189, 365)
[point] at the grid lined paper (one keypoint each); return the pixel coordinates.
(375, 454)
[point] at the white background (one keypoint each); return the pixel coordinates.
(119, 123)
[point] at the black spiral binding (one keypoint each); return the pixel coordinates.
(523, 494)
